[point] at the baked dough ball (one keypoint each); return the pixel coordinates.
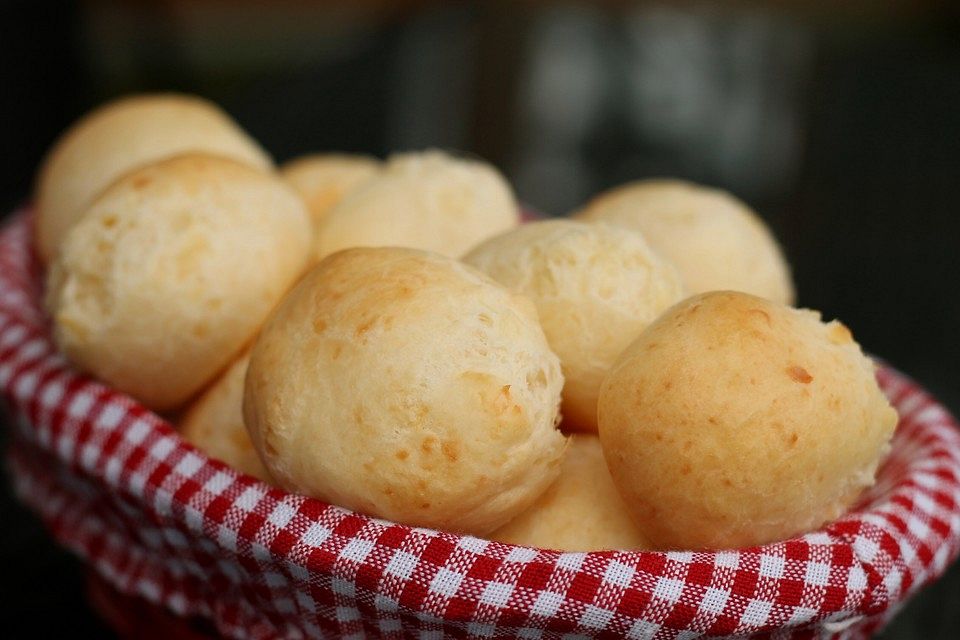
(714, 240)
(427, 200)
(119, 137)
(735, 421)
(596, 287)
(214, 423)
(322, 180)
(406, 385)
(581, 511)
(172, 270)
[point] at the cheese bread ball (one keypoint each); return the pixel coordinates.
(736, 421)
(119, 137)
(322, 180)
(171, 271)
(581, 511)
(214, 423)
(427, 200)
(714, 240)
(596, 287)
(406, 385)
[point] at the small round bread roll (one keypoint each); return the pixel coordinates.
(119, 137)
(427, 200)
(172, 270)
(714, 240)
(406, 385)
(596, 287)
(736, 421)
(581, 511)
(214, 423)
(322, 180)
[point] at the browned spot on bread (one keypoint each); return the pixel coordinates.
(794, 438)
(364, 327)
(319, 325)
(799, 374)
(712, 420)
(668, 384)
(402, 454)
(451, 450)
(141, 182)
(686, 469)
(426, 445)
(337, 350)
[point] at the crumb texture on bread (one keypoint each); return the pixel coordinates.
(596, 287)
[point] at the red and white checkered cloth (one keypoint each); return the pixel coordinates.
(157, 518)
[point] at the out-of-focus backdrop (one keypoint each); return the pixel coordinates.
(838, 121)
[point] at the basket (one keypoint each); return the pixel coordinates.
(156, 518)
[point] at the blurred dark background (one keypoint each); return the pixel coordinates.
(838, 122)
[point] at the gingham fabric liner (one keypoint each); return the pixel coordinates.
(157, 518)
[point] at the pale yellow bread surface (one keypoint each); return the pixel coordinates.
(713, 239)
(596, 287)
(322, 180)
(214, 423)
(171, 271)
(119, 137)
(428, 200)
(734, 421)
(581, 511)
(406, 385)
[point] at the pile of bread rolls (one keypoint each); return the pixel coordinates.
(386, 336)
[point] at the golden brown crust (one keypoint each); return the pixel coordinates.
(713, 239)
(426, 200)
(581, 511)
(214, 423)
(406, 385)
(171, 271)
(734, 421)
(596, 288)
(120, 137)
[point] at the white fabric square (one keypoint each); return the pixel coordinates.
(818, 573)
(728, 559)
(305, 602)
(346, 614)
(521, 554)
(480, 629)
(496, 594)
(137, 432)
(343, 587)
(475, 545)
(570, 561)
(756, 612)
(595, 617)
(217, 483)
(668, 589)
(771, 566)
(249, 499)
(546, 604)
(402, 564)
(111, 416)
(80, 405)
(357, 550)
(281, 515)
(714, 600)
(188, 465)
(52, 392)
(316, 535)
(857, 579)
(643, 630)
(446, 582)
(383, 603)
(619, 574)
(162, 448)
